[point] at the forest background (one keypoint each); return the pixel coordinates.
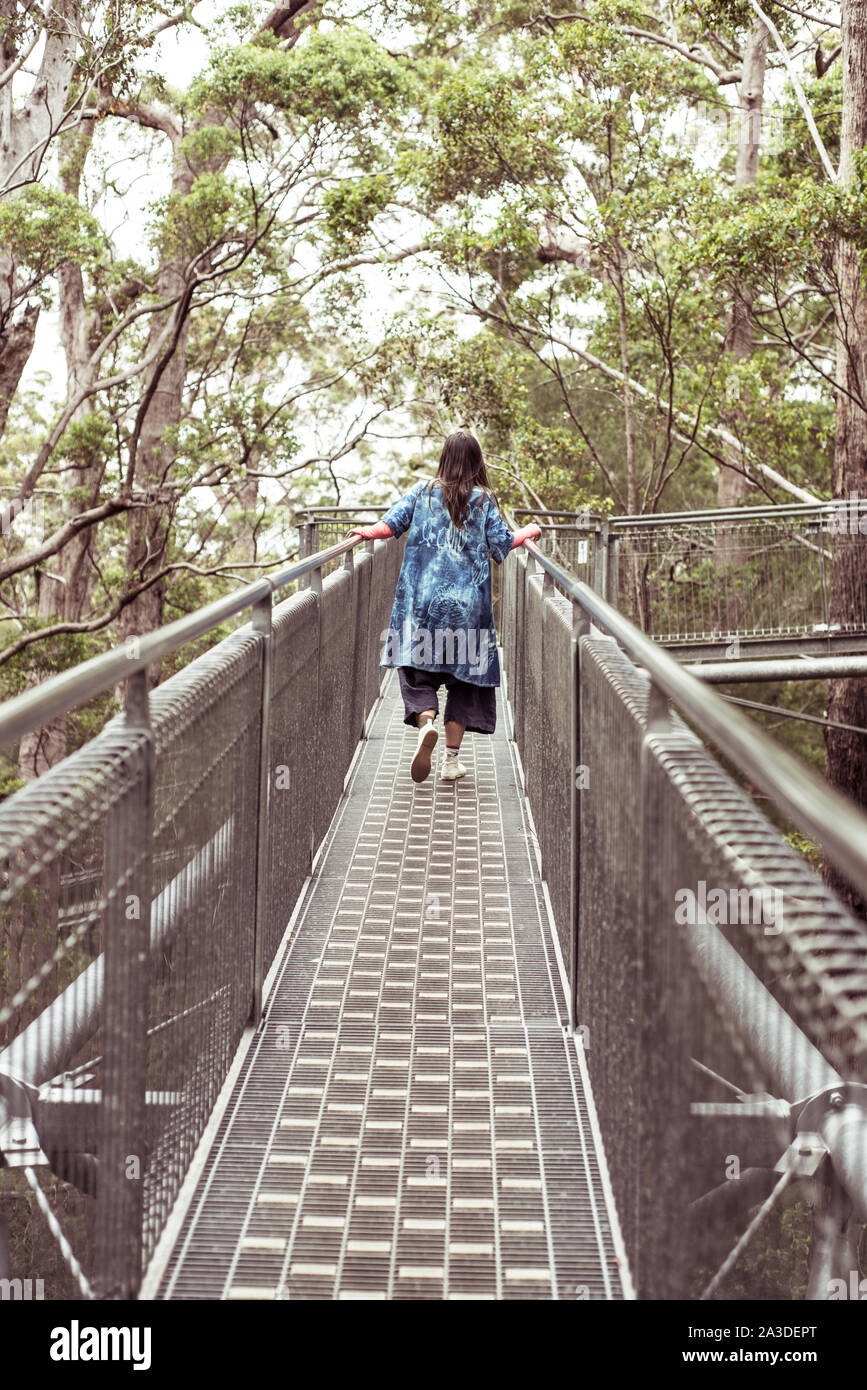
(254, 258)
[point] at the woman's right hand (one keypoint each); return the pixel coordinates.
(372, 533)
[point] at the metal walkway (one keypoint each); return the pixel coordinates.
(410, 1117)
(413, 1118)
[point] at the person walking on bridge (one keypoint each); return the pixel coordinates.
(442, 623)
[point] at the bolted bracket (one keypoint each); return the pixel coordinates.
(808, 1114)
(19, 1141)
(804, 1156)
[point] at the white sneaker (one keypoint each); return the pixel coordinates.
(451, 770)
(427, 737)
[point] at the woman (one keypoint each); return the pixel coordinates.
(442, 623)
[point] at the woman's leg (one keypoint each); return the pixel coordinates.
(454, 733)
(427, 736)
(470, 707)
(419, 691)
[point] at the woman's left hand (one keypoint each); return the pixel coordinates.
(530, 532)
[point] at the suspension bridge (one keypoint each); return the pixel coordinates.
(278, 1023)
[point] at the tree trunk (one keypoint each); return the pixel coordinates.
(64, 592)
(732, 485)
(148, 528)
(846, 752)
(248, 500)
(16, 345)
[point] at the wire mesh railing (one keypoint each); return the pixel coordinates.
(322, 527)
(693, 577)
(719, 987)
(578, 542)
(145, 885)
(757, 572)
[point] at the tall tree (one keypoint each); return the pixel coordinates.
(847, 699)
(733, 483)
(260, 147)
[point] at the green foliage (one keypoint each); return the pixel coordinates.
(209, 144)
(792, 150)
(807, 848)
(352, 206)
(332, 77)
(776, 1263)
(42, 227)
(214, 211)
(86, 441)
(486, 140)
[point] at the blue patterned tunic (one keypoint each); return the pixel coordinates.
(442, 618)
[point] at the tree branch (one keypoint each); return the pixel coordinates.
(724, 435)
(282, 20)
(20, 60)
(724, 76)
(76, 524)
(151, 114)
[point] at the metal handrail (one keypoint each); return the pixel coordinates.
(824, 814)
(33, 708)
(575, 513)
(336, 511)
(627, 521)
(787, 509)
(819, 1100)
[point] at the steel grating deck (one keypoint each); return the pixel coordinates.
(411, 1121)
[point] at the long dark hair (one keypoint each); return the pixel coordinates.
(461, 468)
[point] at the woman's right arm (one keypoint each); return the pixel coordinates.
(379, 532)
(398, 519)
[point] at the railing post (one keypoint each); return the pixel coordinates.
(307, 546)
(314, 581)
(262, 624)
(128, 889)
(658, 723)
(580, 628)
(611, 584)
(834, 1241)
(359, 643)
(600, 557)
(369, 549)
(315, 586)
